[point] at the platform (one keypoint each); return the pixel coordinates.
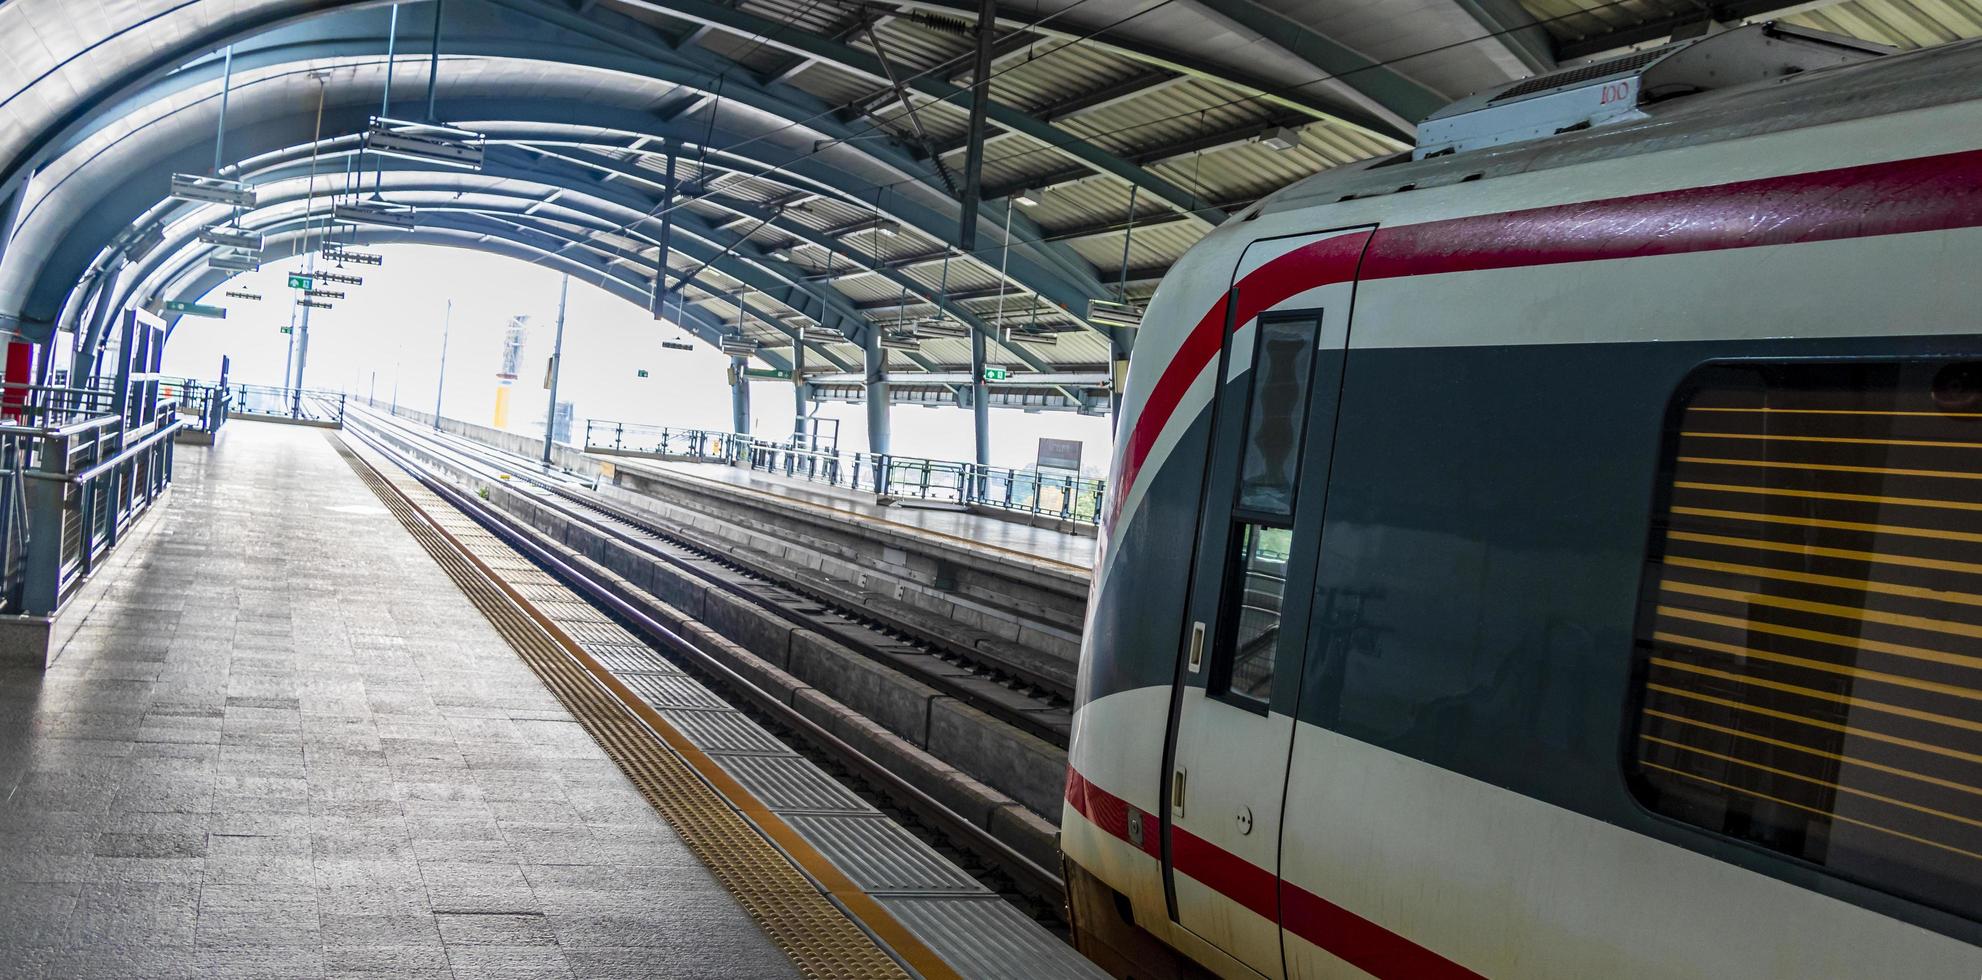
(285, 742)
(989, 532)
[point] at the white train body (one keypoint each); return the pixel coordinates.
(1508, 687)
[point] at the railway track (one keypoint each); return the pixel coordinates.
(1022, 698)
(1036, 889)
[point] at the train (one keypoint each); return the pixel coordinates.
(1556, 551)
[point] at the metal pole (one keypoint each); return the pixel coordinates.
(980, 98)
(739, 388)
(557, 363)
(385, 101)
(980, 400)
(433, 66)
(667, 235)
(226, 86)
(440, 383)
(391, 35)
(1118, 357)
(289, 358)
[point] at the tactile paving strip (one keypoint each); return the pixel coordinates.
(672, 691)
(879, 855)
(981, 936)
(788, 783)
(814, 932)
(724, 731)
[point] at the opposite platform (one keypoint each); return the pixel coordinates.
(284, 744)
(1073, 552)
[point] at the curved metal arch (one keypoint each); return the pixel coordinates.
(691, 68)
(460, 231)
(730, 253)
(104, 222)
(820, 302)
(580, 211)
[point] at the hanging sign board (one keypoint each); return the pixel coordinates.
(195, 309)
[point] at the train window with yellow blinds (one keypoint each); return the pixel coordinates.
(1811, 642)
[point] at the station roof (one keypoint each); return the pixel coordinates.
(818, 146)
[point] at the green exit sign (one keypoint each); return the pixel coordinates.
(996, 374)
(195, 309)
(773, 374)
(301, 282)
(287, 329)
(640, 373)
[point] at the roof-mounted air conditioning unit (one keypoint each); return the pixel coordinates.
(1620, 89)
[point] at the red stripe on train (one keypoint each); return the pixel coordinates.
(1357, 940)
(1934, 193)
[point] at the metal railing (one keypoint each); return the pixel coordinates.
(276, 402)
(1071, 498)
(77, 486)
(206, 401)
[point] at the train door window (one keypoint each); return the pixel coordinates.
(1811, 637)
(1255, 579)
(1276, 419)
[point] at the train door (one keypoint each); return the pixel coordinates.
(1273, 427)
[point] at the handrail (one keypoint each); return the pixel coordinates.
(1069, 497)
(113, 462)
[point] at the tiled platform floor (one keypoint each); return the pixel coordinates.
(283, 745)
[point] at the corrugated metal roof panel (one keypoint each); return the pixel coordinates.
(1900, 23)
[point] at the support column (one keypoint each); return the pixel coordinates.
(739, 396)
(557, 363)
(302, 360)
(877, 393)
(980, 400)
(798, 412)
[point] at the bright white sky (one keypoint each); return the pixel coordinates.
(387, 333)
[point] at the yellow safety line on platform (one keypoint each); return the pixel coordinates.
(912, 528)
(689, 789)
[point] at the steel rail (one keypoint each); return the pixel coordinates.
(1060, 689)
(640, 613)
